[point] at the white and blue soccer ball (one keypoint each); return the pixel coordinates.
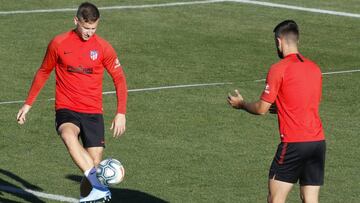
(110, 172)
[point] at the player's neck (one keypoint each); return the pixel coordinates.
(290, 50)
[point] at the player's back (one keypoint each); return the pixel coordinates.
(302, 84)
(299, 99)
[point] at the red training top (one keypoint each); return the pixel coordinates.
(79, 67)
(294, 83)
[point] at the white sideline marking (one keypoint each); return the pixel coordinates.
(171, 87)
(312, 10)
(326, 73)
(12, 102)
(29, 192)
(113, 7)
(138, 90)
(261, 3)
(184, 86)
(341, 72)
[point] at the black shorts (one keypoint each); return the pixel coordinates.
(303, 161)
(91, 126)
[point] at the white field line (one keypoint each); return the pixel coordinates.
(312, 10)
(327, 73)
(341, 72)
(140, 90)
(260, 3)
(172, 87)
(29, 192)
(183, 86)
(113, 7)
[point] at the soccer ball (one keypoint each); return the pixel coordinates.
(110, 171)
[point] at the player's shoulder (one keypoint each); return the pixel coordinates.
(311, 64)
(278, 66)
(102, 42)
(61, 37)
(58, 39)
(278, 69)
(310, 61)
(105, 47)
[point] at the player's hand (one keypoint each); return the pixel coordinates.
(21, 116)
(118, 125)
(236, 101)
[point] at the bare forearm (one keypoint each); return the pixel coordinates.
(257, 108)
(252, 107)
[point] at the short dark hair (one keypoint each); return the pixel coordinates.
(285, 28)
(88, 12)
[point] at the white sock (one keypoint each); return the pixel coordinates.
(86, 173)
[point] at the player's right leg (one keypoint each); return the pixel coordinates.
(312, 176)
(68, 126)
(69, 134)
(84, 161)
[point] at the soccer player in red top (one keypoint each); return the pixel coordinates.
(294, 86)
(79, 58)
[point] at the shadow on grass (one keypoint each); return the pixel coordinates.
(125, 195)
(7, 187)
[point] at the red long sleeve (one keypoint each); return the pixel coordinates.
(113, 66)
(43, 73)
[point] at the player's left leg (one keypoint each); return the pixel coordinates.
(309, 194)
(312, 176)
(278, 191)
(92, 136)
(284, 172)
(96, 155)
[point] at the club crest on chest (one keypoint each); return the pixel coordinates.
(94, 55)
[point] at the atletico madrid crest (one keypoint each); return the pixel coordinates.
(93, 55)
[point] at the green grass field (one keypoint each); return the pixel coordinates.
(185, 144)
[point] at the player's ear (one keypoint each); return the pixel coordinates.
(278, 41)
(76, 20)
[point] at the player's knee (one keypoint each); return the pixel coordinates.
(309, 194)
(275, 198)
(68, 131)
(96, 161)
(309, 199)
(68, 136)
